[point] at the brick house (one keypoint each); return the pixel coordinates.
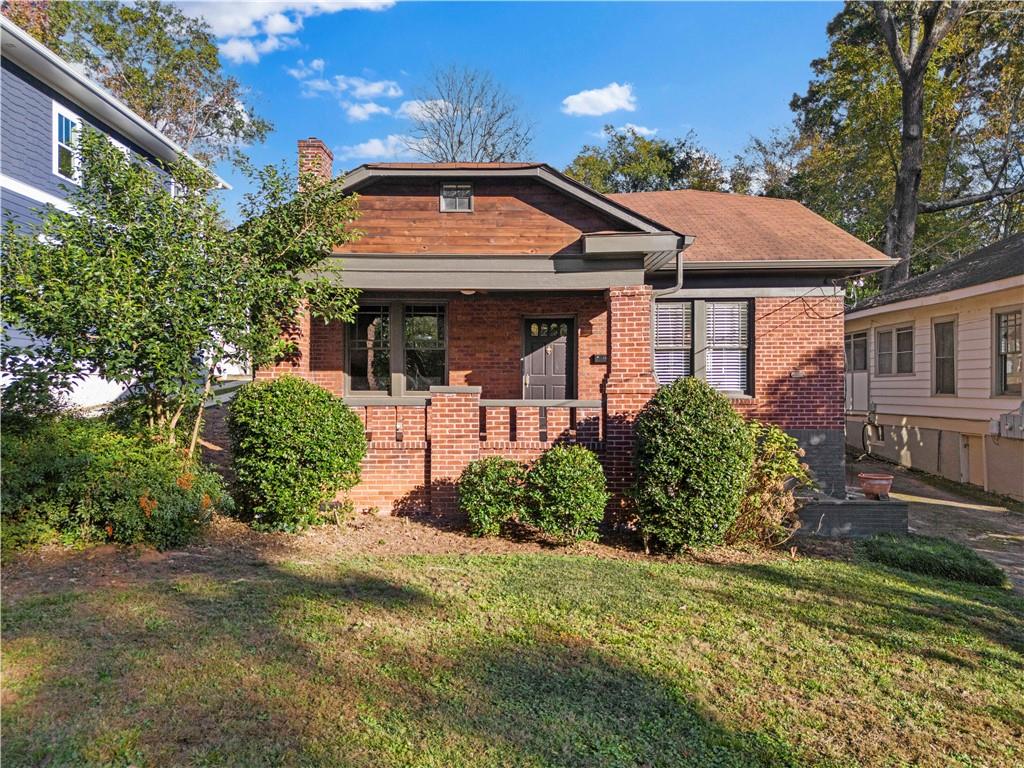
(505, 307)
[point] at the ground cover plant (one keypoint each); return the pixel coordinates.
(78, 480)
(516, 660)
(295, 446)
(932, 556)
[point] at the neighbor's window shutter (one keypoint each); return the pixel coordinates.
(728, 332)
(673, 340)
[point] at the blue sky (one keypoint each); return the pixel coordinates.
(724, 70)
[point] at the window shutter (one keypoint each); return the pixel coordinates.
(673, 341)
(727, 345)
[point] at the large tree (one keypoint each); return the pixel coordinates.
(144, 286)
(912, 127)
(630, 162)
(463, 115)
(159, 61)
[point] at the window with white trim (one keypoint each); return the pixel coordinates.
(1008, 353)
(707, 339)
(944, 357)
(728, 349)
(66, 127)
(456, 198)
(673, 340)
(894, 351)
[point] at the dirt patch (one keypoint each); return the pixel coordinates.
(230, 548)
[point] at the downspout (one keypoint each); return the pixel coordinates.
(687, 241)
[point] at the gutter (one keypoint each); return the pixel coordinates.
(687, 241)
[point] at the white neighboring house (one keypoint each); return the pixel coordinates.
(933, 370)
(44, 102)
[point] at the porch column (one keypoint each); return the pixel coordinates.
(630, 382)
(453, 430)
(297, 331)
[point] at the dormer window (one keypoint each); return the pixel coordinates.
(456, 197)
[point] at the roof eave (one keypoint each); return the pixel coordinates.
(38, 60)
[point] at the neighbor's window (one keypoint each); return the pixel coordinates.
(895, 351)
(673, 340)
(857, 351)
(424, 339)
(65, 137)
(1008, 353)
(369, 350)
(728, 345)
(944, 357)
(456, 197)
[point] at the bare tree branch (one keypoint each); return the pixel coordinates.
(959, 202)
(464, 116)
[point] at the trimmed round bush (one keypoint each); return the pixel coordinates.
(693, 459)
(566, 493)
(295, 446)
(490, 493)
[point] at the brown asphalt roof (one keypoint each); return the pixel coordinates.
(730, 227)
(452, 166)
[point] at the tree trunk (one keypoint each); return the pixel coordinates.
(197, 426)
(901, 225)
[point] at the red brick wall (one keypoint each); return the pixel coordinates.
(485, 340)
(802, 337)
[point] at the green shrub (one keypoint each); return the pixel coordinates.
(693, 459)
(295, 446)
(932, 556)
(768, 510)
(565, 493)
(491, 493)
(80, 480)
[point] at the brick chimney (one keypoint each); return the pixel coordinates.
(315, 157)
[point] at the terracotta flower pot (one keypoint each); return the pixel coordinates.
(875, 486)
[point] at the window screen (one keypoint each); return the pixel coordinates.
(728, 345)
(944, 360)
(673, 340)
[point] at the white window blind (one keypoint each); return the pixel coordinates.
(673, 340)
(727, 345)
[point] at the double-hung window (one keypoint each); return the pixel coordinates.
(857, 351)
(673, 340)
(944, 357)
(66, 128)
(395, 348)
(894, 351)
(1008, 353)
(728, 346)
(707, 339)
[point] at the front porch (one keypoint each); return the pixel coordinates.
(441, 379)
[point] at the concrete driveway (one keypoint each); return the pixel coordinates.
(990, 530)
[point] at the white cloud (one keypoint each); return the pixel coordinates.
(302, 70)
(642, 130)
(416, 108)
(364, 110)
(239, 51)
(600, 101)
(393, 147)
(368, 89)
(264, 23)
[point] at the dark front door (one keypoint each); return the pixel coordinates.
(547, 359)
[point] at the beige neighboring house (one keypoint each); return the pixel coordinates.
(933, 371)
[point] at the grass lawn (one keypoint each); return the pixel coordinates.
(515, 660)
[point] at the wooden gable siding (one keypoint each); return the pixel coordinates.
(509, 216)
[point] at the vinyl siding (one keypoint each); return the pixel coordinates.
(911, 395)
